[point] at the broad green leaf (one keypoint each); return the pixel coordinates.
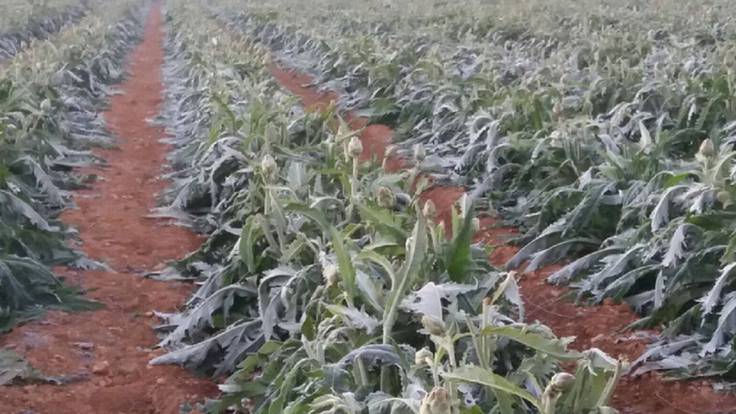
(459, 256)
(553, 347)
(478, 375)
(407, 276)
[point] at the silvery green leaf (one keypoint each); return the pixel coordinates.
(571, 270)
(543, 241)
(557, 252)
(355, 318)
(658, 351)
(726, 326)
(192, 324)
(713, 297)
(373, 355)
(428, 299)
(228, 346)
(677, 245)
(617, 265)
(660, 214)
(21, 207)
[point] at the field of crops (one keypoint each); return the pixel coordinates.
(405, 206)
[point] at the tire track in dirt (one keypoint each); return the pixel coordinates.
(109, 349)
(602, 326)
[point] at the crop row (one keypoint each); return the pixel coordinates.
(51, 97)
(24, 22)
(325, 285)
(606, 134)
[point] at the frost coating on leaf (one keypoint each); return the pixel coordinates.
(428, 299)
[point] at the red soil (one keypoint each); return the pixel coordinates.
(602, 326)
(109, 349)
(375, 137)
(444, 199)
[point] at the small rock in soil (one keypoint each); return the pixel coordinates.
(86, 346)
(101, 368)
(598, 338)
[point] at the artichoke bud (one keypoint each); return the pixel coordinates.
(429, 210)
(419, 153)
(562, 381)
(556, 139)
(331, 274)
(433, 326)
(423, 357)
(436, 402)
(46, 105)
(386, 198)
(707, 149)
(269, 167)
(355, 148)
(475, 223)
(557, 108)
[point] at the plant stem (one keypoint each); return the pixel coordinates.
(362, 372)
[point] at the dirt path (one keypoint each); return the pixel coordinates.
(593, 326)
(109, 349)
